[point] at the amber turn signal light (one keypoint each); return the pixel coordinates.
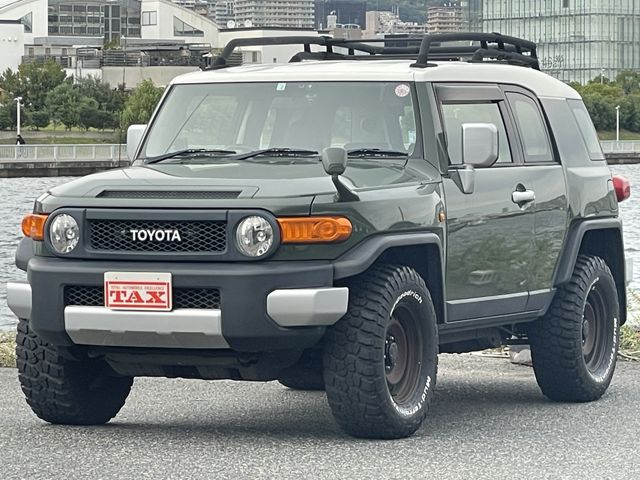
(314, 229)
(33, 226)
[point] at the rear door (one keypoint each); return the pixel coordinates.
(490, 237)
(547, 180)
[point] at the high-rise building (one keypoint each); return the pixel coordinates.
(275, 13)
(443, 19)
(348, 12)
(578, 40)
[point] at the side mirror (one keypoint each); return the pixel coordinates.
(334, 160)
(134, 136)
(479, 144)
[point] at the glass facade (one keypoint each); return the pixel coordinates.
(578, 40)
(94, 18)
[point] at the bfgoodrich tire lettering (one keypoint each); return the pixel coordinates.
(381, 358)
(63, 391)
(574, 347)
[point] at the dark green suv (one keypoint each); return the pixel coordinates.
(334, 223)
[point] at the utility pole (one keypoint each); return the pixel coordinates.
(617, 123)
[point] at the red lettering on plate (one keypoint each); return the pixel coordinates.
(155, 297)
(134, 297)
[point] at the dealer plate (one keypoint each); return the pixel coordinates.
(137, 291)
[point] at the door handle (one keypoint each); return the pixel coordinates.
(521, 197)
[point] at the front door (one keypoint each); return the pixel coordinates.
(490, 237)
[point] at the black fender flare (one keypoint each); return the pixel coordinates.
(362, 256)
(24, 253)
(573, 242)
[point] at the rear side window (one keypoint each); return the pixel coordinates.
(456, 114)
(533, 132)
(585, 125)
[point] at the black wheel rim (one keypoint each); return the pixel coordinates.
(403, 355)
(596, 334)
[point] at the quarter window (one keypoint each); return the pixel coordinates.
(457, 114)
(586, 129)
(532, 130)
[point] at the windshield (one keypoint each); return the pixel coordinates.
(243, 117)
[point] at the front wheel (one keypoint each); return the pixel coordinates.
(575, 345)
(64, 391)
(381, 358)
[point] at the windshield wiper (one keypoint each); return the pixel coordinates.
(277, 152)
(188, 151)
(375, 152)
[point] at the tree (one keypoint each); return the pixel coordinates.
(630, 113)
(89, 113)
(5, 118)
(140, 104)
(602, 111)
(37, 80)
(39, 119)
(63, 105)
(629, 81)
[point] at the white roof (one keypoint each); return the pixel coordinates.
(541, 84)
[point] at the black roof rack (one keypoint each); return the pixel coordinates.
(481, 47)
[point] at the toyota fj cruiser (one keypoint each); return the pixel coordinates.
(334, 223)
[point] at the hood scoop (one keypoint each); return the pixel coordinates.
(171, 194)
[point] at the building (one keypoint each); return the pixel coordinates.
(385, 22)
(578, 40)
(11, 43)
(444, 19)
(348, 12)
(225, 12)
(77, 34)
(275, 13)
(266, 53)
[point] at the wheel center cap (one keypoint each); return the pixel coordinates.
(390, 354)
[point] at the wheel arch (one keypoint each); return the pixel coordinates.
(602, 238)
(421, 251)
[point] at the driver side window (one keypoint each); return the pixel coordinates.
(456, 114)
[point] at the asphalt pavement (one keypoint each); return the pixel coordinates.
(489, 421)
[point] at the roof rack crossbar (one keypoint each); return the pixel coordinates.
(495, 46)
(503, 43)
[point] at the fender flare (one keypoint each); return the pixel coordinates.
(365, 254)
(573, 242)
(24, 253)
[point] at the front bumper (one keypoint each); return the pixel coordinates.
(264, 306)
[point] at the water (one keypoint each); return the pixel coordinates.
(17, 196)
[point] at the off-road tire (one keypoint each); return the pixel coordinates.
(360, 367)
(306, 374)
(564, 368)
(64, 391)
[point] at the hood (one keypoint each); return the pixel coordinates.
(279, 178)
(296, 182)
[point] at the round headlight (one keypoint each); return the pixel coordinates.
(64, 233)
(254, 236)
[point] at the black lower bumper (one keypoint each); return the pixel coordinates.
(243, 289)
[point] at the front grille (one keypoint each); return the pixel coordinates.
(198, 298)
(196, 236)
(171, 194)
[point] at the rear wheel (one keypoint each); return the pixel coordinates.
(575, 346)
(64, 391)
(381, 358)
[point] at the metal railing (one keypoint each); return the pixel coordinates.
(63, 153)
(626, 146)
